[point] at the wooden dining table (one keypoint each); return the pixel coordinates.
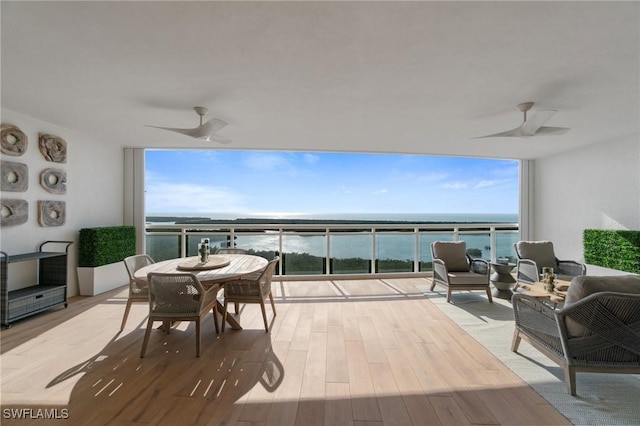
(219, 269)
(538, 291)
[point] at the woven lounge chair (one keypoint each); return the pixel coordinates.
(455, 270)
(597, 330)
(535, 255)
(138, 289)
(179, 297)
(251, 289)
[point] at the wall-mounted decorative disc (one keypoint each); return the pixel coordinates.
(14, 141)
(51, 213)
(14, 176)
(13, 212)
(54, 181)
(53, 148)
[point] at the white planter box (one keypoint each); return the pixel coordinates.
(93, 281)
(600, 271)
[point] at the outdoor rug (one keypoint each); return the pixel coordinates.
(602, 399)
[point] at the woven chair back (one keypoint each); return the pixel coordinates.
(133, 264)
(174, 295)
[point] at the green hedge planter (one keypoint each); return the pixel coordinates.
(100, 255)
(613, 248)
(102, 246)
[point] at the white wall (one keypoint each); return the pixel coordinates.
(596, 187)
(94, 191)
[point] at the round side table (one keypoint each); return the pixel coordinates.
(501, 277)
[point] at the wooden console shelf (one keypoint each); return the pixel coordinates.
(50, 290)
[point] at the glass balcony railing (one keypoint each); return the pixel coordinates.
(336, 249)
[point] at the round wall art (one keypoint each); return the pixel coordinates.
(51, 213)
(15, 176)
(52, 148)
(54, 181)
(13, 140)
(13, 212)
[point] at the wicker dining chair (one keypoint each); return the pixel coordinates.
(230, 250)
(179, 297)
(138, 289)
(251, 289)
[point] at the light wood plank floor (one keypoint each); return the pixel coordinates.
(351, 352)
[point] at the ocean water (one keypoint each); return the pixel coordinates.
(388, 246)
(402, 217)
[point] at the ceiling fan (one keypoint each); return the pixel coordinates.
(205, 131)
(532, 126)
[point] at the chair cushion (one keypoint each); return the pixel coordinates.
(453, 254)
(540, 252)
(584, 285)
(467, 278)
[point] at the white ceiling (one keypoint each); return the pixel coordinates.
(406, 77)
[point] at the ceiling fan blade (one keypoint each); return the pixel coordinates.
(188, 132)
(552, 130)
(217, 138)
(206, 131)
(212, 126)
(531, 126)
(513, 133)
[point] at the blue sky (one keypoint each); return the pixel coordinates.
(282, 183)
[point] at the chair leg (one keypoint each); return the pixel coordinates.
(448, 294)
(236, 305)
(126, 314)
(264, 315)
(516, 340)
(570, 379)
(489, 296)
(273, 305)
(224, 315)
(433, 284)
(215, 318)
(198, 337)
(147, 333)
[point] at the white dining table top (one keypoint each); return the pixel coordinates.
(239, 265)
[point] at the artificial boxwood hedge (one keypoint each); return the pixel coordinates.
(105, 245)
(613, 248)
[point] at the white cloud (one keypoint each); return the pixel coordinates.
(381, 191)
(341, 190)
(414, 177)
(456, 185)
(310, 158)
(287, 164)
(182, 197)
(266, 162)
(485, 184)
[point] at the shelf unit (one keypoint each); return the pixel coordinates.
(50, 290)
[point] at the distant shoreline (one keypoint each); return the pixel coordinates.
(181, 220)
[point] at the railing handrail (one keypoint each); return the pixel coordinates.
(322, 225)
